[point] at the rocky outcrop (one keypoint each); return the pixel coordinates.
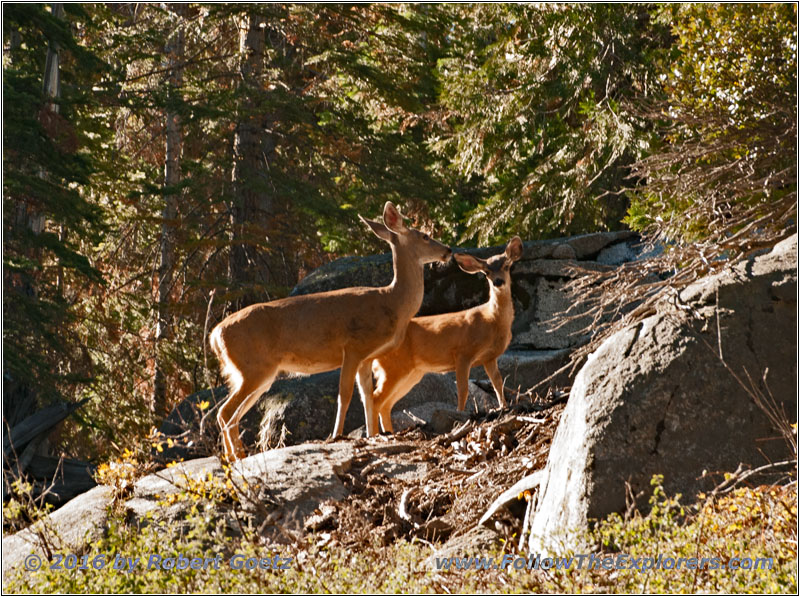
(656, 398)
(671, 395)
(278, 489)
(282, 492)
(67, 530)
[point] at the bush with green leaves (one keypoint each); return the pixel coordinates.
(758, 522)
(724, 169)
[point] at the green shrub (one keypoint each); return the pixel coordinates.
(754, 523)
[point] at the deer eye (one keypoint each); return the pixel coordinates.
(426, 237)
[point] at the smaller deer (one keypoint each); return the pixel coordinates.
(452, 341)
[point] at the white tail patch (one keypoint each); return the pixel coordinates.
(232, 376)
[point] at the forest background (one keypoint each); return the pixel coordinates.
(166, 164)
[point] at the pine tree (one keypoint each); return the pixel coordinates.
(46, 216)
(538, 102)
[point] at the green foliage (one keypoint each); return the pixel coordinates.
(373, 80)
(750, 523)
(753, 523)
(47, 219)
(729, 123)
(22, 507)
(537, 99)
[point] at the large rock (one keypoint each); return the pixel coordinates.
(656, 398)
(279, 488)
(297, 479)
(300, 409)
(68, 530)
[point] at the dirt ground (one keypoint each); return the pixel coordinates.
(437, 486)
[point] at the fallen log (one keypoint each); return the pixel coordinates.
(36, 424)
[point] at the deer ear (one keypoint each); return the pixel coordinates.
(393, 218)
(468, 263)
(379, 229)
(514, 249)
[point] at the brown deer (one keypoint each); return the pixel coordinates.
(452, 341)
(320, 332)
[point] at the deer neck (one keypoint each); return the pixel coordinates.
(500, 306)
(408, 285)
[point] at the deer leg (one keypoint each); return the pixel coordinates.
(228, 421)
(387, 380)
(376, 426)
(398, 390)
(386, 420)
(384, 402)
(245, 406)
(462, 383)
(224, 416)
(497, 380)
(365, 386)
(231, 412)
(381, 398)
(347, 379)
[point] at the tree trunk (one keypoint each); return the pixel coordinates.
(51, 87)
(52, 75)
(172, 177)
(250, 267)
